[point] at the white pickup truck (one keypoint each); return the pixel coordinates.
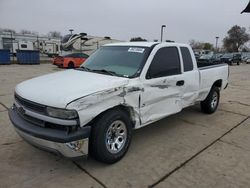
(119, 88)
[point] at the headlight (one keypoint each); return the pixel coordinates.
(61, 113)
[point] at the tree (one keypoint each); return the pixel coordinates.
(201, 45)
(236, 37)
(195, 44)
(54, 34)
(7, 30)
(135, 39)
(207, 46)
(24, 31)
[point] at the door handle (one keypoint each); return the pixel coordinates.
(180, 83)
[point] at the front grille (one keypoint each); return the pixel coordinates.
(30, 105)
(41, 109)
(44, 124)
(30, 119)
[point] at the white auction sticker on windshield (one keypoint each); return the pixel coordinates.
(136, 50)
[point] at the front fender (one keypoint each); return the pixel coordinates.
(91, 106)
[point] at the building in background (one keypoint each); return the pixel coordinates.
(50, 47)
(84, 43)
(15, 41)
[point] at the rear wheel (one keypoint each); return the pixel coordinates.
(111, 136)
(71, 65)
(210, 104)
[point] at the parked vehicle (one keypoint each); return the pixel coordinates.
(248, 60)
(210, 58)
(70, 61)
(197, 56)
(121, 87)
(22, 45)
(49, 47)
(231, 58)
(246, 57)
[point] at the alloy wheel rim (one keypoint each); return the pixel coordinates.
(116, 136)
(214, 100)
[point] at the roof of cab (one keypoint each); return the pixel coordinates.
(143, 44)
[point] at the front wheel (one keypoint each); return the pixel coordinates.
(210, 104)
(111, 136)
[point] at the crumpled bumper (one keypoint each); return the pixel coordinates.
(70, 145)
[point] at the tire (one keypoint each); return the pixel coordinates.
(238, 63)
(71, 65)
(111, 136)
(210, 104)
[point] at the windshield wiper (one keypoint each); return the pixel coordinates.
(106, 72)
(112, 73)
(84, 68)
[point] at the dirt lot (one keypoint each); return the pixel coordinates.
(189, 149)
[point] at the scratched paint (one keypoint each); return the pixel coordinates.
(161, 86)
(90, 106)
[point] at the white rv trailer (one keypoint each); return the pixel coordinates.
(15, 41)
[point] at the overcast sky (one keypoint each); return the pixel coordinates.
(201, 20)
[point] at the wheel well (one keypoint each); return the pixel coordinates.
(127, 109)
(217, 83)
(71, 63)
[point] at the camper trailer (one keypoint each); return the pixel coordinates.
(49, 47)
(22, 45)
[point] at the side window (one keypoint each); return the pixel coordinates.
(24, 46)
(166, 62)
(187, 59)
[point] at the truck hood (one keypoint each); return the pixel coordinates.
(60, 88)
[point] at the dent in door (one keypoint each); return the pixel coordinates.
(160, 99)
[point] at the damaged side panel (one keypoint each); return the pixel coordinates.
(92, 105)
(158, 103)
(160, 98)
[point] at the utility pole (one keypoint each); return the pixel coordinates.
(38, 45)
(71, 30)
(162, 27)
(216, 44)
(12, 47)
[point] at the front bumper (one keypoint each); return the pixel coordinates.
(70, 145)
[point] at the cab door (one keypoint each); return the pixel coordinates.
(163, 86)
(192, 77)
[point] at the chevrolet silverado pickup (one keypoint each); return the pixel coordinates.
(124, 86)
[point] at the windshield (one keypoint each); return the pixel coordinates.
(125, 61)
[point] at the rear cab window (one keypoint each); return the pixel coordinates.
(187, 59)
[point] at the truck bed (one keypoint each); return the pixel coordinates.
(209, 74)
(209, 65)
